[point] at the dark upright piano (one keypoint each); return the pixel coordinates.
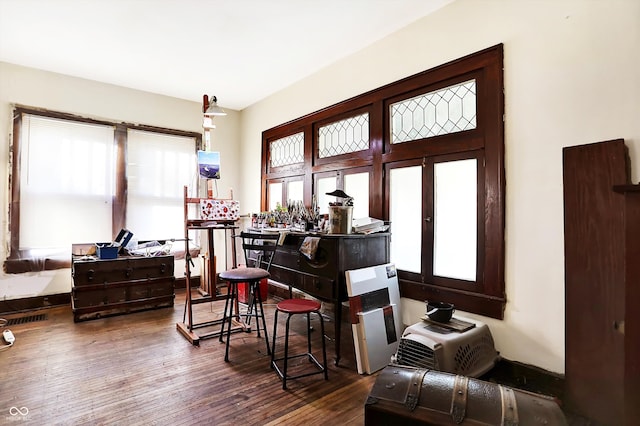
(323, 276)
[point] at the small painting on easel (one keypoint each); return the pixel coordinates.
(209, 164)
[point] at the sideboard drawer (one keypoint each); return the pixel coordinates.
(121, 269)
(319, 287)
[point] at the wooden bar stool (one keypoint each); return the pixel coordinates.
(292, 307)
(252, 277)
(259, 249)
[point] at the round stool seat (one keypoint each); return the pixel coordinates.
(244, 274)
(298, 306)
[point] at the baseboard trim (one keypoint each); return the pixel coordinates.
(33, 303)
(48, 301)
(527, 377)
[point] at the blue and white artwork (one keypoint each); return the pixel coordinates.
(209, 164)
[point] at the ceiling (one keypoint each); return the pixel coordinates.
(239, 50)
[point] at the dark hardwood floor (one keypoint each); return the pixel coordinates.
(137, 369)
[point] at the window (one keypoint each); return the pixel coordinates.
(427, 154)
(441, 196)
(354, 182)
(405, 214)
(64, 163)
(286, 151)
(70, 184)
(344, 136)
(440, 112)
(283, 191)
(324, 184)
(454, 220)
(158, 168)
(275, 195)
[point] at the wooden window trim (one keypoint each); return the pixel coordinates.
(486, 67)
(20, 261)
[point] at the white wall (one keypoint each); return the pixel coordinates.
(35, 88)
(571, 77)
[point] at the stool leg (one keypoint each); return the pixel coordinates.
(309, 334)
(233, 296)
(250, 305)
(324, 349)
(253, 305)
(286, 353)
(224, 313)
(273, 344)
(264, 321)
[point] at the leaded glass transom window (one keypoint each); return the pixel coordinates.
(344, 136)
(288, 150)
(448, 110)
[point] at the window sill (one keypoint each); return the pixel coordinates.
(22, 266)
(477, 303)
(33, 264)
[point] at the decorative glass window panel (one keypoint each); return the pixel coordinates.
(159, 166)
(357, 186)
(344, 136)
(275, 195)
(405, 214)
(444, 111)
(455, 219)
(287, 151)
(327, 184)
(66, 183)
(295, 190)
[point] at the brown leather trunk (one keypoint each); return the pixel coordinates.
(414, 396)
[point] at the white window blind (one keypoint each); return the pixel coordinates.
(405, 213)
(158, 168)
(295, 190)
(327, 184)
(356, 185)
(275, 195)
(66, 183)
(455, 219)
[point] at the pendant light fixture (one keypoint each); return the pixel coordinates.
(211, 108)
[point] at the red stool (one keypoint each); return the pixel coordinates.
(292, 307)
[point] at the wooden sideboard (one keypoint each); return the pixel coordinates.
(323, 277)
(119, 286)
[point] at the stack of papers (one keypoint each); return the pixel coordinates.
(368, 225)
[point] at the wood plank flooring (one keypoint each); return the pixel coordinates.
(137, 369)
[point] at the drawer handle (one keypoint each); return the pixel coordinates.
(163, 268)
(90, 274)
(128, 272)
